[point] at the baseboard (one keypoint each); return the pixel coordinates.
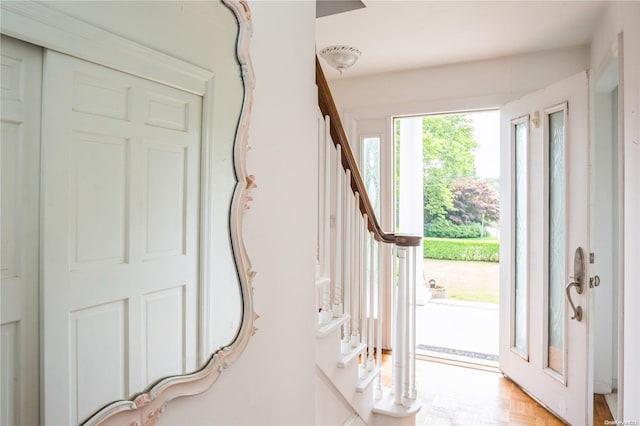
(602, 387)
(612, 402)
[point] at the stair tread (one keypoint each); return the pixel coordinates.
(366, 381)
(334, 324)
(344, 360)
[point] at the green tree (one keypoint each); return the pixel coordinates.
(448, 150)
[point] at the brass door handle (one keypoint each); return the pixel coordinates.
(577, 312)
(578, 283)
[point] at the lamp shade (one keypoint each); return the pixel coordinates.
(340, 57)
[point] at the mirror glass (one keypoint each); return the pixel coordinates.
(223, 301)
(135, 163)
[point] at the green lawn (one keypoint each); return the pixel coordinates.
(464, 280)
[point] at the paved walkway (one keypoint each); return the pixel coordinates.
(460, 330)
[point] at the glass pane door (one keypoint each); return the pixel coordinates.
(545, 187)
(520, 135)
(556, 236)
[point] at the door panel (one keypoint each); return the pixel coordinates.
(520, 320)
(544, 138)
(120, 235)
(20, 128)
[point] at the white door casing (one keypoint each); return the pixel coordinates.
(561, 385)
(606, 224)
(19, 360)
(121, 173)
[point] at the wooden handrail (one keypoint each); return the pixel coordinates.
(339, 137)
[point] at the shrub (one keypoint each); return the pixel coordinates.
(442, 228)
(461, 249)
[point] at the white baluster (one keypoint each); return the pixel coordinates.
(371, 304)
(326, 314)
(379, 327)
(364, 316)
(337, 290)
(416, 255)
(319, 200)
(326, 264)
(347, 273)
(395, 262)
(399, 346)
(319, 301)
(407, 351)
(323, 239)
(355, 277)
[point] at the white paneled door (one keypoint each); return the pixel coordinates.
(543, 295)
(20, 153)
(120, 193)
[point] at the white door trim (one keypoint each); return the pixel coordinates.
(39, 24)
(614, 55)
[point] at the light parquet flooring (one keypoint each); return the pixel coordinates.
(452, 395)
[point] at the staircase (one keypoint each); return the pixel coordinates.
(364, 277)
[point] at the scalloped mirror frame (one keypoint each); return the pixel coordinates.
(147, 407)
(40, 25)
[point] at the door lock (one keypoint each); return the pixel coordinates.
(578, 283)
(594, 281)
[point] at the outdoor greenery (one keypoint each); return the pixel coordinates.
(474, 202)
(486, 250)
(471, 293)
(467, 281)
(457, 204)
(443, 228)
(458, 208)
(447, 151)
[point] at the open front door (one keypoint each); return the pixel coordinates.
(544, 247)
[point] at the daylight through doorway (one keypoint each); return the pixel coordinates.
(457, 312)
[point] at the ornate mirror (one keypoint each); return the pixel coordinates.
(225, 303)
(144, 282)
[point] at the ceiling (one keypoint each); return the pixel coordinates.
(402, 34)
(330, 7)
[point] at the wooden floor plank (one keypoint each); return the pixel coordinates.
(453, 395)
(601, 413)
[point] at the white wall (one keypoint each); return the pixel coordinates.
(273, 381)
(625, 17)
(466, 86)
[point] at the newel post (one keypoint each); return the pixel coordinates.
(404, 383)
(399, 327)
